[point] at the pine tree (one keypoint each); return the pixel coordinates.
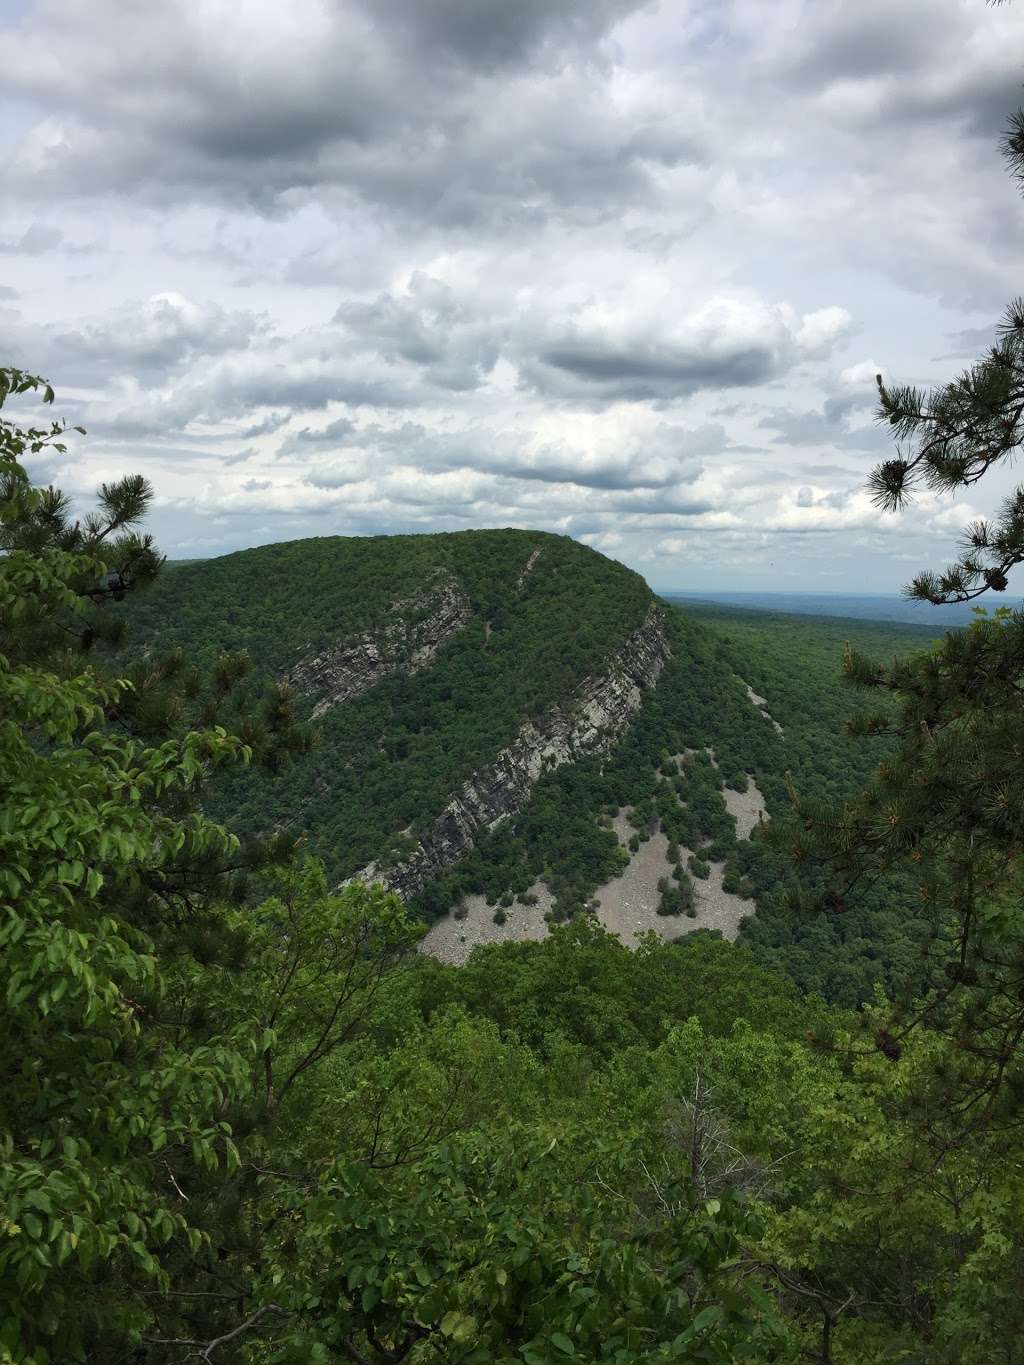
(949, 438)
(948, 804)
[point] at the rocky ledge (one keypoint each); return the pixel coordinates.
(598, 714)
(413, 632)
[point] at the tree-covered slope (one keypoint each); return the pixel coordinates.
(876, 936)
(534, 616)
(542, 614)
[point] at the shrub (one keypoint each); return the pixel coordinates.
(499, 916)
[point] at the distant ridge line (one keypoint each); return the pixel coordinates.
(851, 606)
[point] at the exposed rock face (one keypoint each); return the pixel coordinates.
(413, 632)
(596, 717)
(762, 705)
(528, 566)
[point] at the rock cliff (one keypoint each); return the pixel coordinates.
(599, 712)
(412, 633)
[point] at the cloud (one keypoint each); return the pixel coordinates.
(603, 266)
(380, 100)
(727, 343)
(845, 420)
(970, 343)
(335, 433)
(428, 326)
(149, 339)
(36, 240)
(492, 33)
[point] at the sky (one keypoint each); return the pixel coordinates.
(625, 271)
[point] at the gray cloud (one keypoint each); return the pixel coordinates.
(378, 265)
(380, 100)
(334, 434)
(429, 327)
(828, 426)
(727, 344)
(147, 339)
(652, 373)
(901, 54)
(970, 343)
(36, 240)
(492, 33)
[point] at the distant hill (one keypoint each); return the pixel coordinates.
(860, 606)
(420, 658)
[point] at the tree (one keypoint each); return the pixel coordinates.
(918, 1146)
(100, 1105)
(954, 434)
(948, 804)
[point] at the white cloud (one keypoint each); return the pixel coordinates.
(618, 268)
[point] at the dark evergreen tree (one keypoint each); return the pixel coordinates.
(948, 439)
(947, 805)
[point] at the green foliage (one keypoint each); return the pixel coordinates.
(101, 1106)
(951, 437)
(907, 1233)
(390, 759)
(507, 1248)
(582, 986)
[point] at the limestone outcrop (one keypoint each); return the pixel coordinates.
(597, 715)
(412, 633)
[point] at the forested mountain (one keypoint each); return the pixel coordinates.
(487, 703)
(419, 659)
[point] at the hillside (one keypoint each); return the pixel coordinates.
(512, 730)
(535, 1141)
(855, 606)
(419, 658)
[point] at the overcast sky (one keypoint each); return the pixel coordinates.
(617, 269)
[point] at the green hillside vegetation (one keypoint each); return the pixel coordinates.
(388, 761)
(243, 1121)
(878, 936)
(391, 758)
(701, 704)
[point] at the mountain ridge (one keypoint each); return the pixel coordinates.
(420, 658)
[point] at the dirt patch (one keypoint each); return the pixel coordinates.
(716, 907)
(746, 808)
(628, 904)
(452, 940)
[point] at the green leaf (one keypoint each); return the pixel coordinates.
(461, 1327)
(707, 1317)
(371, 1298)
